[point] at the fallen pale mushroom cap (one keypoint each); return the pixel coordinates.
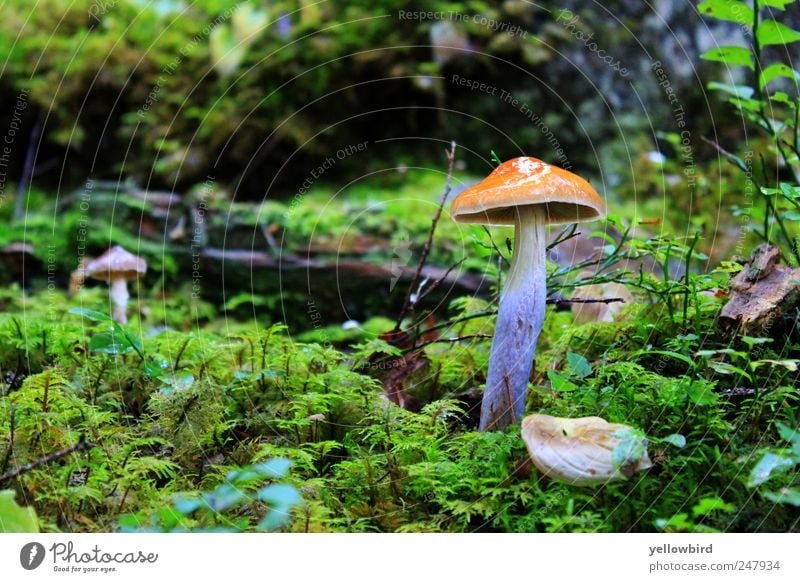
(577, 451)
(530, 194)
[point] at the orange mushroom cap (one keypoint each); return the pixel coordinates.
(528, 181)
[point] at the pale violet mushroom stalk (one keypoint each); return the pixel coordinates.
(520, 317)
(530, 194)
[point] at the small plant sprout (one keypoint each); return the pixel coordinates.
(529, 194)
(116, 267)
(583, 451)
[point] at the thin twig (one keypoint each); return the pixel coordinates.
(566, 234)
(439, 280)
(452, 322)
(731, 157)
(562, 301)
(451, 340)
(81, 445)
(416, 296)
(490, 312)
(451, 157)
(500, 271)
(495, 247)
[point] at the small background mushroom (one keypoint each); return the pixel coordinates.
(116, 267)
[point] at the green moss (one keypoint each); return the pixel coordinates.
(216, 397)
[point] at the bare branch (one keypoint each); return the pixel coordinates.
(451, 158)
(439, 281)
(81, 445)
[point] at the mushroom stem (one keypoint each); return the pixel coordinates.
(519, 320)
(120, 296)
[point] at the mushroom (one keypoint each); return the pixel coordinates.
(529, 194)
(117, 266)
(579, 451)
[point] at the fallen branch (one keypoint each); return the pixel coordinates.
(81, 445)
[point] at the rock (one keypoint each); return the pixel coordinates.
(762, 295)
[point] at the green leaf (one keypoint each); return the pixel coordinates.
(755, 341)
(782, 97)
(769, 464)
(739, 91)
(779, 4)
(630, 448)
(280, 495)
(109, 343)
(223, 497)
(700, 393)
(772, 32)
(579, 365)
(791, 435)
(776, 71)
(274, 468)
(188, 505)
(560, 383)
(274, 519)
(730, 55)
(709, 504)
(790, 365)
(786, 495)
(789, 191)
(726, 369)
(168, 518)
(679, 521)
(685, 359)
(16, 519)
(226, 53)
(133, 340)
(729, 10)
(676, 440)
(154, 369)
(281, 499)
(91, 314)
